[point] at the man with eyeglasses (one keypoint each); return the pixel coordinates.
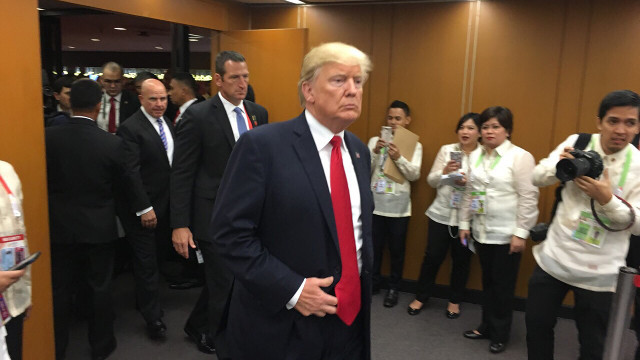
(117, 105)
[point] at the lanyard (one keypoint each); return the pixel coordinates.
(625, 167)
(493, 164)
(15, 203)
(5, 186)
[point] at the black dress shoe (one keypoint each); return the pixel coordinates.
(471, 334)
(451, 315)
(497, 347)
(391, 299)
(203, 341)
(157, 330)
(186, 284)
(411, 311)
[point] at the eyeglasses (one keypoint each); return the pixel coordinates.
(112, 82)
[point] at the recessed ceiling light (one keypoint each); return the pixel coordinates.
(95, 39)
(298, 2)
(120, 28)
(71, 47)
(192, 39)
(40, 9)
(159, 47)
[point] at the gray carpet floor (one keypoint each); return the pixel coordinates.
(395, 334)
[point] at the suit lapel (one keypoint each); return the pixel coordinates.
(220, 115)
(152, 133)
(361, 163)
(250, 114)
(306, 149)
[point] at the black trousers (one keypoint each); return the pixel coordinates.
(633, 260)
(95, 263)
(323, 338)
(438, 243)
(148, 247)
(591, 312)
(393, 232)
(499, 275)
(14, 337)
(210, 313)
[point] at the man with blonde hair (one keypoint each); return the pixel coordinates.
(292, 221)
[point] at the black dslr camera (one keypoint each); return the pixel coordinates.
(587, 163)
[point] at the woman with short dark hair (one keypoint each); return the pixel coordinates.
(503, 204)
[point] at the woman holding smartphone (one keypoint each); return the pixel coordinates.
(443, 219)
(503, 204)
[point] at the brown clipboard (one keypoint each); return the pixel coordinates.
(406, 142)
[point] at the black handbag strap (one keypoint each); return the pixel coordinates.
(581, 143)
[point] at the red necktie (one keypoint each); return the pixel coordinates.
(175, 119)
(112, 116)
(348, 288)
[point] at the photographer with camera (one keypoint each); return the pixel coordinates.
(588, 238)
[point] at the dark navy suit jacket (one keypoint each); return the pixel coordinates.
(273, 224)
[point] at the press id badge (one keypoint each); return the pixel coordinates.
(479, 202)
(385, 187)
(455, 201)
(589, 231)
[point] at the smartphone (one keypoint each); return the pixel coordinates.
(457, 157)
(386, 133)
(24, 263)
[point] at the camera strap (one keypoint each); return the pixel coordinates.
(621, 182)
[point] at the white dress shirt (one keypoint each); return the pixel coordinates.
(322, 137)
(511, 198)
(228, 107)
(167, 133)
(184, 108)
(103, 116)
(574, 262)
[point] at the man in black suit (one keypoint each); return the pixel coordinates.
(117, 105)
(293, 223)
(148, 136)
(84, 165)
(206, 135)
(183, 92)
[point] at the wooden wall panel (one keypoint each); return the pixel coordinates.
(274, 58)
(22, 144)
(612, 56)
(208, 14)
(276, 17)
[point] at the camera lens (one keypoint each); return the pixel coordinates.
(569, 169)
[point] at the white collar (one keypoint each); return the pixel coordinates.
(320, 133)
